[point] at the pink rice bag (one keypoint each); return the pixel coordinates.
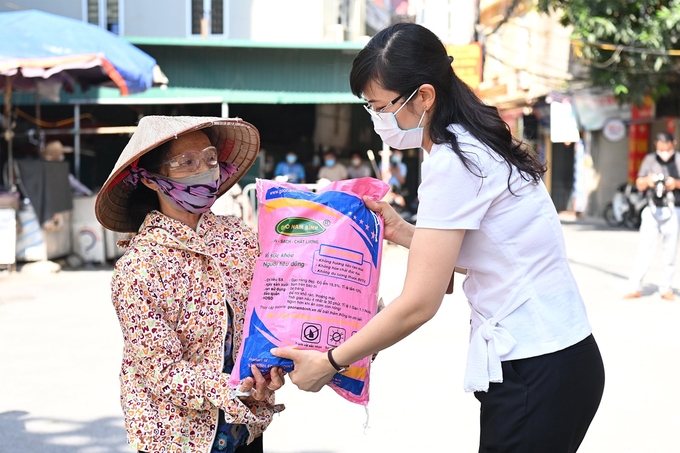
(316, 280)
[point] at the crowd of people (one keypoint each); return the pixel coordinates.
(327, 167)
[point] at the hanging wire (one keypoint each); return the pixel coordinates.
(613, 59)
(607, 46)
(42, 123)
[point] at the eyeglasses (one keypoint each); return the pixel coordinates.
(190, 161)
(376, 113)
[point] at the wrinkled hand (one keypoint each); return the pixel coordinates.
(312, 370)
(260, 388)
(393, 221)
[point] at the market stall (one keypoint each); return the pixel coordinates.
(46, 53)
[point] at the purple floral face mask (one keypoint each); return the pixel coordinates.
(194, 194)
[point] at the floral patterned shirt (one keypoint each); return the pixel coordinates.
(169, 291)
(229, 437)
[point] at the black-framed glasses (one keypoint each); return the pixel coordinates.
(376, 113)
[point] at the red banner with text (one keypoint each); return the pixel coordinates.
(638, 139)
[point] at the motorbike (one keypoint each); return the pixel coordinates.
(626, 206)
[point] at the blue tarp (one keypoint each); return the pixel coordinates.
(37, 45)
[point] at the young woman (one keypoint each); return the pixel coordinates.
(532, 362)
(180, 289)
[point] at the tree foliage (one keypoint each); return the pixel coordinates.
(632, 47)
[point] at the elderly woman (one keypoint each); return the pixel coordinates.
(180, 290)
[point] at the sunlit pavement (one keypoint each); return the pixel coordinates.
(60, 348)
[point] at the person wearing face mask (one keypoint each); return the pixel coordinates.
(290, 169)
(397, 171)
(659, 176)
(180, 290)
(357, 167)
(533, 362)
(332, 170)
(312, 167)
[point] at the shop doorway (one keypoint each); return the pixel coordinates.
(562, 175)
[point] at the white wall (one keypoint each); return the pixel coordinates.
(294, 21)
(451, 20)
(154, 18)
(68, 8)
(157, 18)
(289, 21)
(240, 19)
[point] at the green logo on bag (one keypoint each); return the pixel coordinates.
(299, 226)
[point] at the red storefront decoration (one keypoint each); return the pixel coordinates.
(638, 140)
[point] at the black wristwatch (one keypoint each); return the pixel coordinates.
(338, 368)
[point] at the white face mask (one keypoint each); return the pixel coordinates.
(388, 129)
(665, 155)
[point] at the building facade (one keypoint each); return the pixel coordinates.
(282, 65)
(591, 143)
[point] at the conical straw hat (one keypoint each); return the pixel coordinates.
(237, 142)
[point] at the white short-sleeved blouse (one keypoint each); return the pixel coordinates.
(523, 297)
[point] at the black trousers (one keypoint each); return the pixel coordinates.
(545, 404)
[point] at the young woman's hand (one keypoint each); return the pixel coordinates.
(312, 370)
(260, 388)
(397, 229)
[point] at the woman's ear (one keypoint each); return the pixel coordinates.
(427, 96)
(150, 184)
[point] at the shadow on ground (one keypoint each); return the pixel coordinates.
(23, 433)
(591, 224)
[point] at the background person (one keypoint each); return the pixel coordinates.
(290, 169)
(659, 218)
(180, 289)
(54, 151)
(397, 171)
(395, 176)
(358, 168)
(312, 167)
(268, 164)
(532, 361)
(332, 170)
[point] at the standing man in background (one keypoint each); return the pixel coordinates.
(659, 176)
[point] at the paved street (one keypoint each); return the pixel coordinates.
(61, 346)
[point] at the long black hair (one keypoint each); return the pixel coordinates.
(404, 56)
